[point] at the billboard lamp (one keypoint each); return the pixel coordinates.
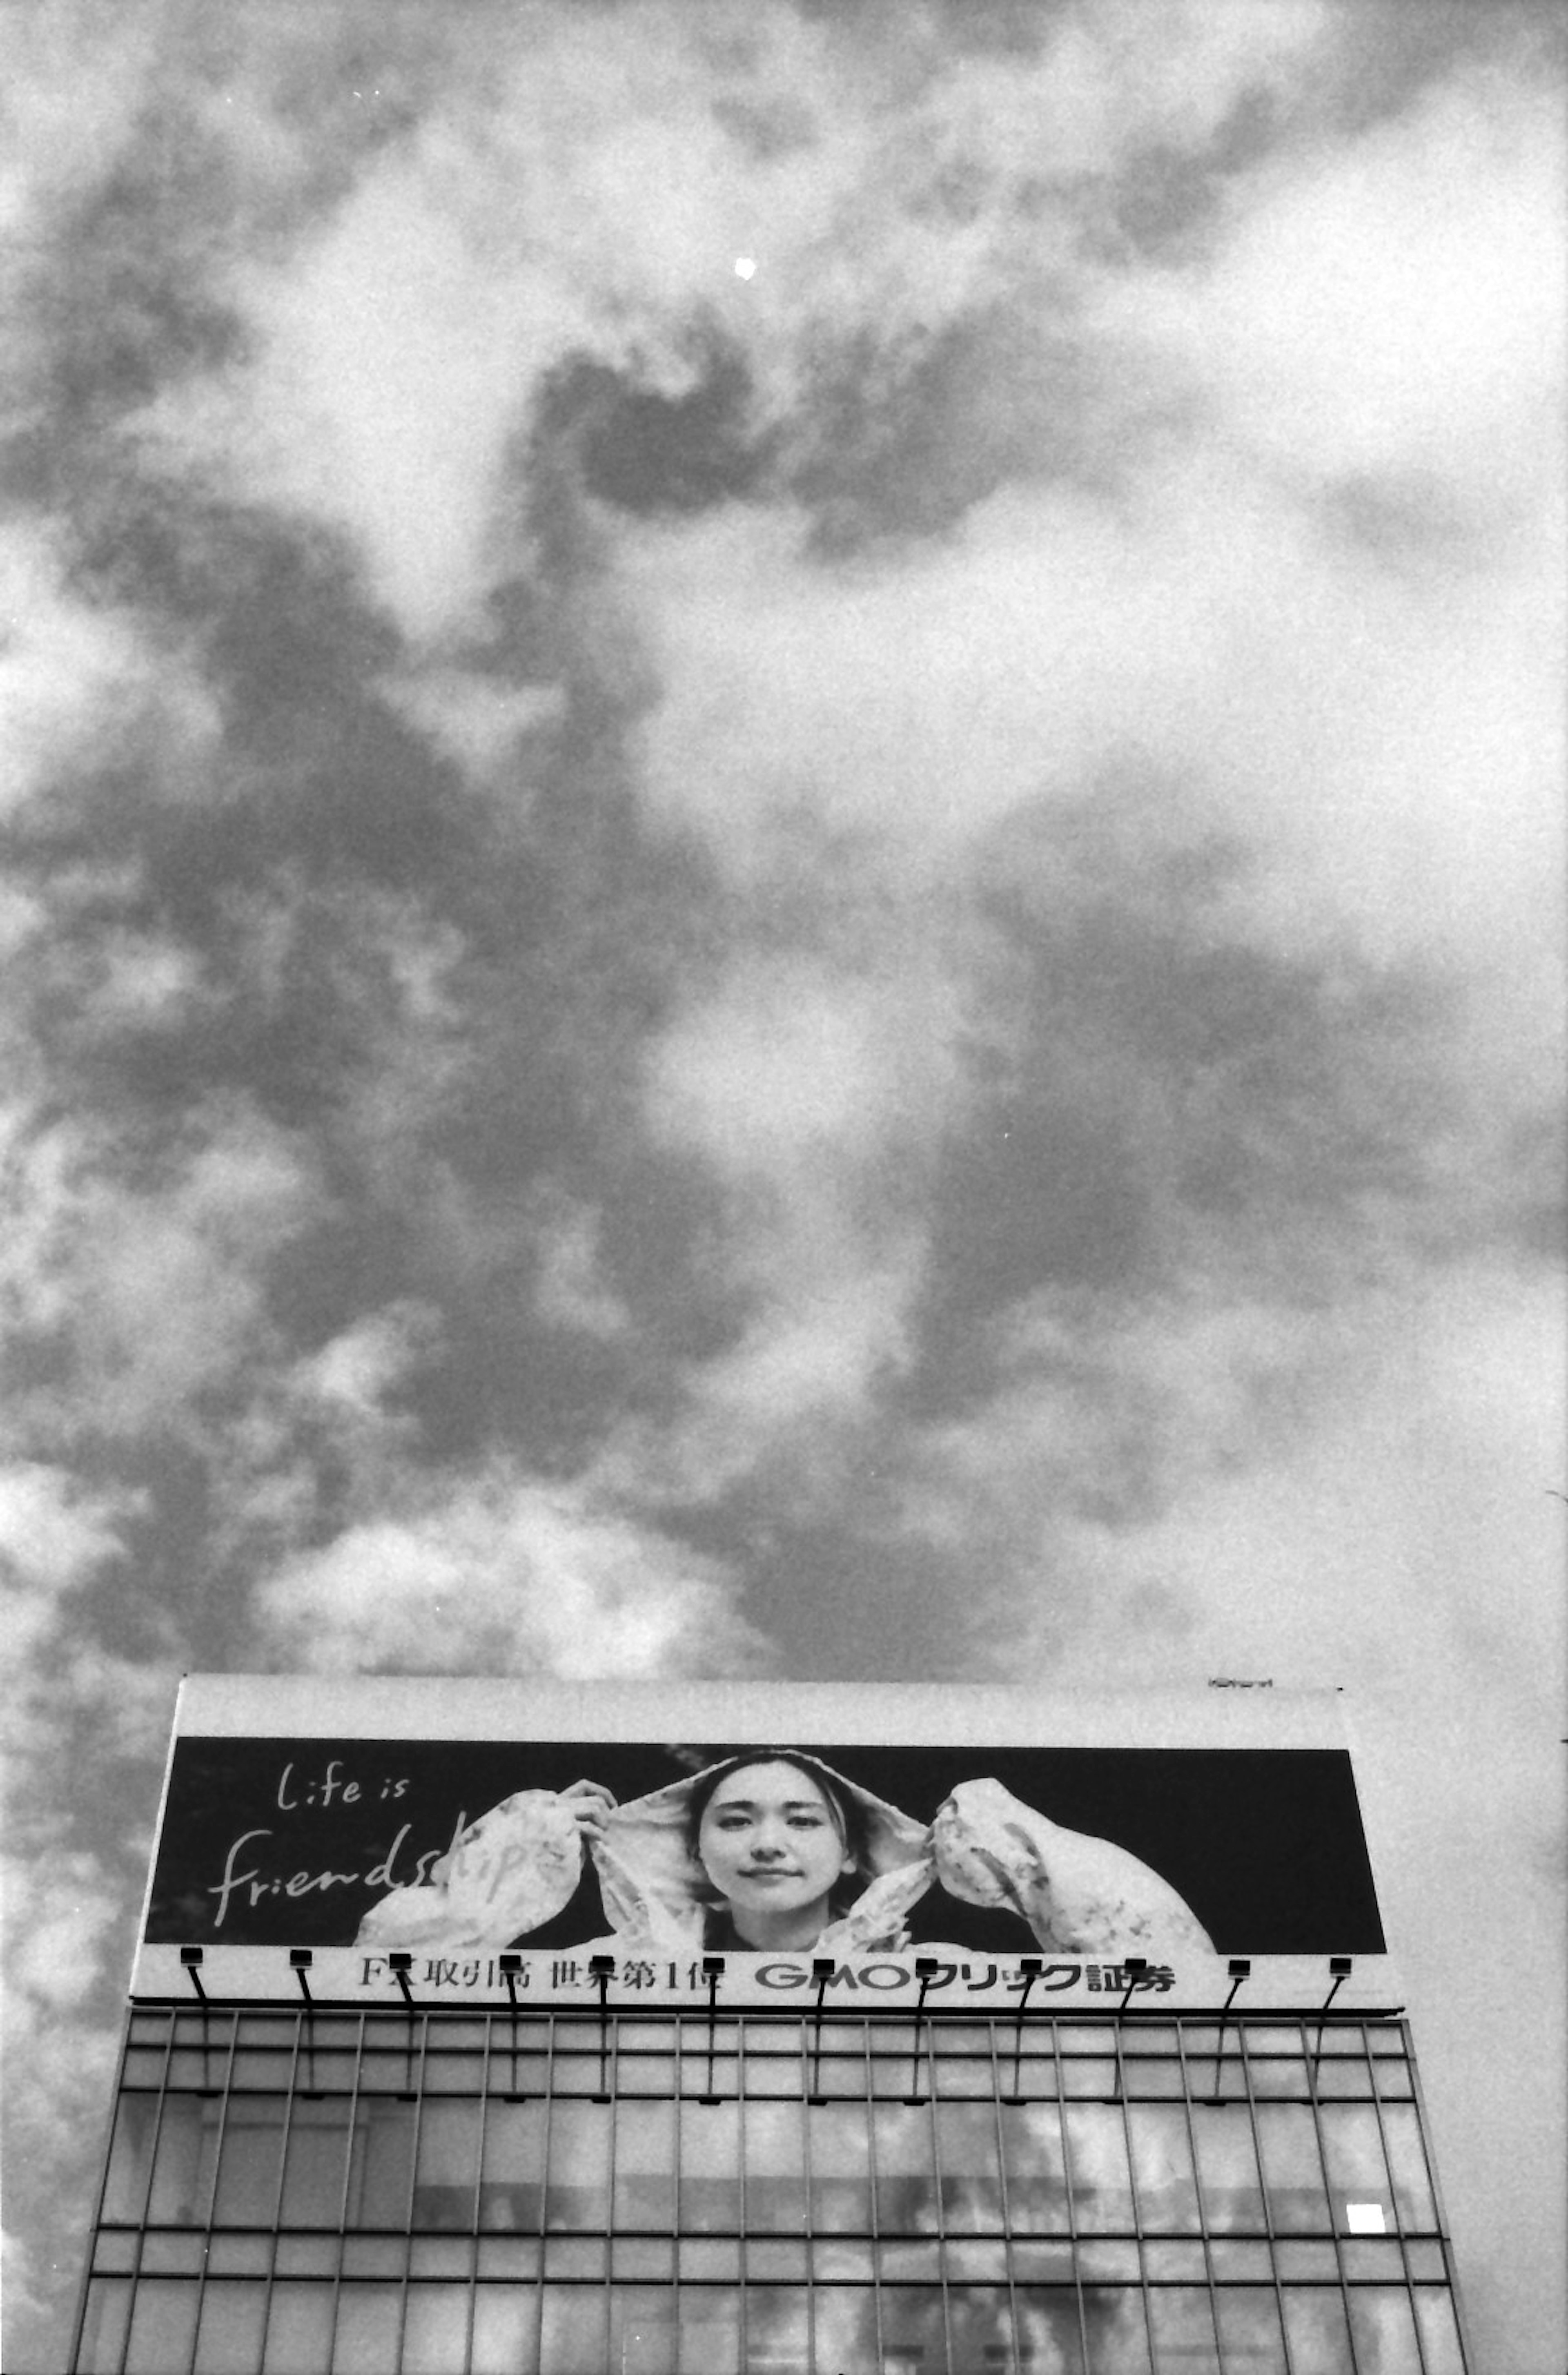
(190, 1960)
(400, 1962)
(602, 1967)
(1240, 1968)
(925, 1969)
(1030, 1967)
(1134, 1967)
(821, 1971)
(510, 1964)
(300, 1961)
(712, 1971)
(1339, 1970)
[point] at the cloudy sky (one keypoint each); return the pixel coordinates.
(785, 897)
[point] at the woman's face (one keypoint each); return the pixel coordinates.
(770, 1842)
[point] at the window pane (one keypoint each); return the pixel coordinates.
(1167, 2196)
(1118, 2334)
(383, 2165)
(1352, 2151)
(1227, 2168)
(1440, 2333)
(913, 2341)
(104, 2334)
(578, 2194)
(839, 2150)
(1036, 2169)
(1291, 2169)
(981, 2323)
(775, 2331)
(1384, 2330)
(130, 2156)
(1097, 2157)
(506, 2331)
(710, 2171)
(511, 2191)
(775, 2169)
(906, 2192)
(1250, 2340)
(250, 2163)
(299, 2330)
(641, 2330)
(163, 2328)
(365, 2340)
(1316, 2332)
(1412, 2187)
(1050, 2336)
(573, 2339)
(448, 2165)
(1183, 2325)
(969, 2168)
(181, 2176)
(435, 2332)
(229, 2341)
(316, 2163)
(710, 2331)
(644, 2165)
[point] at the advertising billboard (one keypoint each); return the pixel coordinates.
(445, 1841)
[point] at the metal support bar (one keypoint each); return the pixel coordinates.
(510, 1967)
(1339, 1970)
(1238, 1969)
(925, 1969)
(602, 1968)
(712, 1971)
(1031, 1966)
(821, 1971)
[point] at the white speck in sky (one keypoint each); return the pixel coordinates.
(745, 266)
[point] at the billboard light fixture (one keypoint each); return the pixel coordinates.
(191, 1960)
(1339, 1970)
(822, 1967)
(1134, 1967)
(602, 1968)
(712, 1971)
(1031, 1967)
(925, 1969)
(1238, 1968)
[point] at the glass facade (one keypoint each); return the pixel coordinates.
(298, 2193)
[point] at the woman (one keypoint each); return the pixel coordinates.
(773, 1852)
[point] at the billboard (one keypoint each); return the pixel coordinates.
(752, 1844)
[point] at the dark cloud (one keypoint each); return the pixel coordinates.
(649, 452)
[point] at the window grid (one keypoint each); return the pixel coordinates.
(1078, 2090)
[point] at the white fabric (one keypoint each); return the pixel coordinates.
(519, 1864)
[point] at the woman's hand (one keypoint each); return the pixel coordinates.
(588, 1802)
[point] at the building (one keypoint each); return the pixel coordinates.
(1134, 2096)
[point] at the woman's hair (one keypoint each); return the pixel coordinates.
(848, 1813)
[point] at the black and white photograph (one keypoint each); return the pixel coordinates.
(782, 790)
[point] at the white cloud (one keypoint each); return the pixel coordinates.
(1395, 304)
(473, 720)
(81, 681)
(572, 1289)
(159, 1290)
(783, 1064)
(76, 76)
(358, 1370)
(55, 1536)
(505, 1576)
